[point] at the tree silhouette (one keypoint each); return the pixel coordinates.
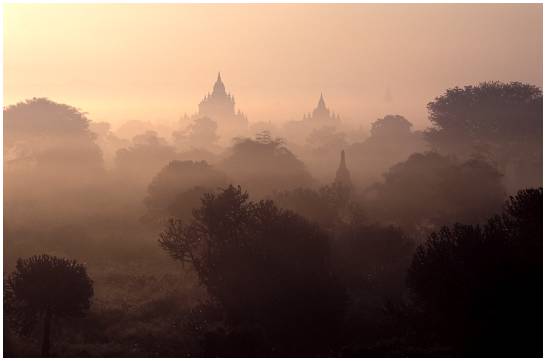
(373, 259)
(391, 126)
(177, 178)
(147, 154)
(326, 140)
(502, 121)
(263, 165)
(391, 141)
(481, 286)
(265, 266)
(201, 133)
(429, 190)
(50, 133)
(327, 206)
(46, 287)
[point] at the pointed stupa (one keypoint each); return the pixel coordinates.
(343, 176)
(321, 112)
(219, 87)
(321, 104)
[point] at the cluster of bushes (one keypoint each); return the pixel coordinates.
(276, 284)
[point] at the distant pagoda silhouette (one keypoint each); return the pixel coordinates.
(343, 176)
(321, 114)
(220, 105)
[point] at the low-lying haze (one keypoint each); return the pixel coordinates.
(156, 62)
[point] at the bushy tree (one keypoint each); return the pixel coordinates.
(46, 287)
(500, 121)
(373, 259)
(43, 117)
(263, 165)
(391, 141)
(267, 268)
(327, 206)
(52, 134)
(147, 154)
(391, 126)
(429, 190)
(108, 141)
(201, 133)
(176, 184)
(326, 140)
(481, 286)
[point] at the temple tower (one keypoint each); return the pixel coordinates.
(321, 113)
(343, 176)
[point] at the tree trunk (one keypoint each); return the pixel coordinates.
(47, 327)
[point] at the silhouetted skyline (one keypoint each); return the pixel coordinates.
(289, 180)
(154, 62)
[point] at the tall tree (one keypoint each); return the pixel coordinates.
(429, 190)
(165, 192)
(264, 164)
(47, 287)
(265, 266)
(391, 141)
(500, 121)
(50, 133)
(481, 286)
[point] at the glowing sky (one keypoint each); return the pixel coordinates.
(156, 62)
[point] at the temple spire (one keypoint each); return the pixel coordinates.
(343, 176)
(321, 104)
(219, 85)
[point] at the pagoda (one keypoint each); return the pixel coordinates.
(321, 114)
(220, 105)
(343, 176)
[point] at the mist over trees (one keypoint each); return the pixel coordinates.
(42, 133)
(249, 257)
(221, 236)
(169, 190)
(467, 277)
(501, 122)
(392, 138)
(263, 165)
(428, 190)
(146, 155)
(202, 133)
(43, 288)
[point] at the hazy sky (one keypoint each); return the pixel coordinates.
(156, 62)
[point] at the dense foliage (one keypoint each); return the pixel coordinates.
(45, 287)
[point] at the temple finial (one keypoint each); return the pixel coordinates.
(219, 85)
(321, 103)
(343, 176)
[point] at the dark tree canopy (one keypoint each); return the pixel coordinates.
(391, 141)
(264, 165)
(326, 140)
(373, 259)
(201, 133)
(327, 206)
(145, 157)
(502, 121)
(50, 133)
(175, 180)
(41, 116)
(44, 287)
(263, 265)
(481, 286)
(393, 126)
(429, 190)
